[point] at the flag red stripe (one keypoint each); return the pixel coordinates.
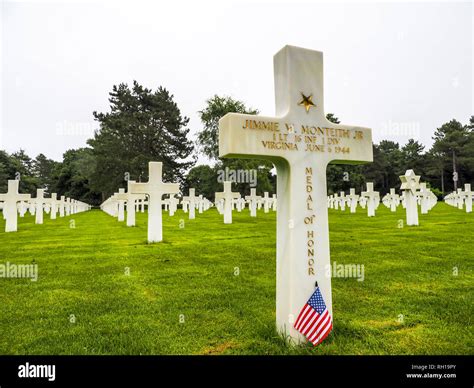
(302, 315)
(315, 338)
(306, 319)
(306, 310)
(318, 324)
(321, 330)
(324, 336)
(317, 328)
(312, 316)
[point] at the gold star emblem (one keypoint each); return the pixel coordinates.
(307, 102)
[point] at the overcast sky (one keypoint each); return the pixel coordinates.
(401, 69)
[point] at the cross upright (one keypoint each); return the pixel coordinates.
(54, 205)
(371, 196)
(394, 199)
(253, 198)
(121, 198)
(266, 202)
(410, 184)
(336, 201)
(39, 202)
(191, 201)
(173, 204)
(228, 196)
(300, 142)
(68, 206)
(353, 199)
(62, 202)
(131, 199)
(424, 196)
(10, 199)
(155, 188)
(200, 203)
(468, 195)
(342, 200)
(460, 198)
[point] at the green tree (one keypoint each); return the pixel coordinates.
(413, 157)
(203, 179)
(44, 170)
(73, 176)
(216, 108)
(22, 166)
(454, 147)
(142, 126)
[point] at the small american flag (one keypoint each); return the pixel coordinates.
(314, 321)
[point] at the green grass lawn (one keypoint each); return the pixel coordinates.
(409, 303)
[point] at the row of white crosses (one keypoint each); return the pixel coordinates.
(227, 200)
(414, 193)
(14, 203)
(461, 198)
(191, 202)
(369, 199)
(151, 193)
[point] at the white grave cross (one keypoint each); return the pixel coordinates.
(9, 205)
(410, 184)
(228, 196)
(155, 188)
(191, 201)
(300, 142)
(253, 198)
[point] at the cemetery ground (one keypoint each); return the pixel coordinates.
(209, 288)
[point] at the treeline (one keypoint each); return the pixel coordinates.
(144, 125)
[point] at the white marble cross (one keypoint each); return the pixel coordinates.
(240, 204)
(200, 203)
(274, 202)
(10, 199)
(131, 199)
(173, 204)
(410, 184)
(342, 200)
(121, 198)
(191, 200)
(300, 142)
(460, 198)
(253, 199)
(353, 199)
(228, 196)
(266, 202)
(54, 205)
(155, 188)
(371, 196)
(335, 201)
(68, 206)
(22, 208)
(393, 200)
(39, 202)
(424, 196)
(62, 204)
(468, 195)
